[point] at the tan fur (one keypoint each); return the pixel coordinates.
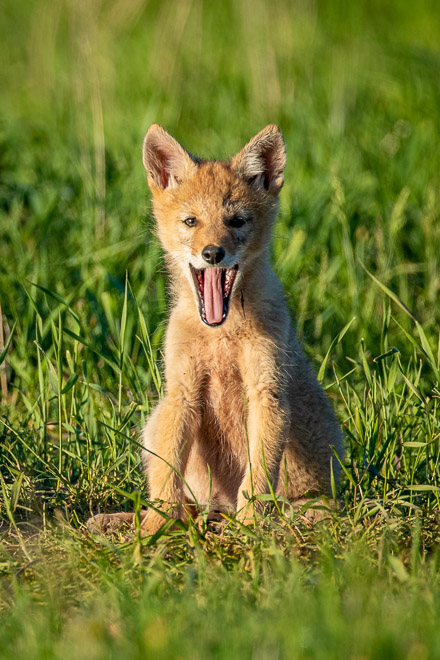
(243, 389)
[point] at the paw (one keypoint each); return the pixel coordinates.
(247, 520)
(152, 522)
(109, 522)
(318, 509)
(248, 512)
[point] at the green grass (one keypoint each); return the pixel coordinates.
(354, 87)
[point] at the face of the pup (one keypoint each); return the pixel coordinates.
(214, 218)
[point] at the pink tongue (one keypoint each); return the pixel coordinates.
(213, 295)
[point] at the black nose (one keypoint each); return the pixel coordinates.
(213, 254)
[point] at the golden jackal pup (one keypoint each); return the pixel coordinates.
(242, 405)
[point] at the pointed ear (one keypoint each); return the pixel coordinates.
(262, 161)
(166, 161)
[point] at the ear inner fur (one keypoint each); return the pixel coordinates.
(263, 159)
(166, 161)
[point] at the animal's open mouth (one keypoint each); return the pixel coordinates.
(214, 286)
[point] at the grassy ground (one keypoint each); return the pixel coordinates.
(354, 87)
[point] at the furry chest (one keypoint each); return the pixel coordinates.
(224, 398)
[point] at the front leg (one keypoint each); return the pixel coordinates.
(167, 440)
(267, 427)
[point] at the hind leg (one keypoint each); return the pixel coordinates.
(301, 485)
(308, 459)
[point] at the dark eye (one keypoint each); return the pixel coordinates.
(237, 221)
(190, 222)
